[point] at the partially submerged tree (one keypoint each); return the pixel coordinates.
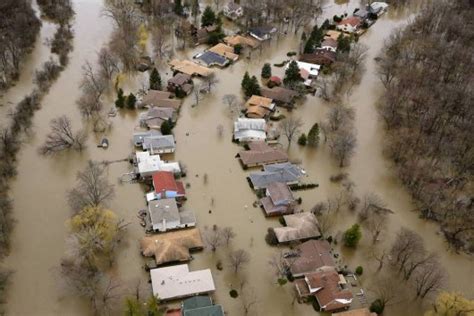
(62, 137)
(208, 17)
(155, 80)
(266, 71)
(213, 238)
(352, 236)
(238, 259)
(92, 188)
(313, 135)
(292, 74)
(291, 127)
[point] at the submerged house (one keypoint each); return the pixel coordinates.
(259, 107)
(224, 51)
(210, 59)
(165, 186)
(165, 215)
(278, 199)
(159, 144)
(328, 287)
(281, 96)
(319, 57)
(260, 153)
(182, 82)
(262, 33)
(201, 306)
(139, 137)
(147, 164)
(189, 68)
(177, 282)
(299, 226)
(233, 10)
(155, 116)
(174, 246)
(378, 8)
(201, 36)
(248, 130)
(281, 172)
(160, 99)
(244, 41)
(309, 257)
(329, 44)
(349, 24)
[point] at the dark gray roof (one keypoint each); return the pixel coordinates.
(261, 31)
(210, 58)
(158, 142)
(281, 172)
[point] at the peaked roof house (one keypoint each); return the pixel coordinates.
(201, 306)
(281, 172)
(329, 44)
(279, 199)
(177, 282)
(166, 186)
(248, 129)
(310, 256)
(147, 164)
(259, 107)
(155, 116)
(299, 226)
(319, 57)
(139, 137)
(180, 81)
(328, 287)
(244, 41)
(201, 36)
(281, 96)
(260, 153)
(189, 68)
(164, 216)
(160, 99)
(349, 24)
(233, 11)
(209, 59)
(312, 69)
(159, 144)
(174, 246)
(224, 51)
(262, 33)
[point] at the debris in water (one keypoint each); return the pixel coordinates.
(104, 143)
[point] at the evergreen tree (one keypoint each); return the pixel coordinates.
(292, 74)
(238, 49)
(309, 46)
(208, 17)
(253, 87)
(352, 236)
(120, 102)
(155, 80)
(302, 140)
(343, 44)
(131, 100)
(266, 71)
(313, 135)
(178, 7)
(245, 81)
(166, 127)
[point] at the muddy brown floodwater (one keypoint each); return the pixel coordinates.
(40, 187)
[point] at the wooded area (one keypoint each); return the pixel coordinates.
(427, 71)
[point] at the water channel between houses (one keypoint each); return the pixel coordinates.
(39, 190)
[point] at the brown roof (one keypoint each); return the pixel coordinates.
(320, 57)
(258, 100)
(298, 226)
(329, 42)
(334, 34)
(242, 40)
(279, 94)
(261, 153)
(357, 312)
(258, 107)
(160, 99)
(279, 191)
(224, 51)
(352, 20)
(172, 246)
(190, 68)
(179, 79)
(330, 295)
(312, 254)
(156, 116)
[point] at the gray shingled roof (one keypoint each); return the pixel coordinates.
(158, 142)
(210, 58)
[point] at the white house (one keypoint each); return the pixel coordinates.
(147, 164)
(378, 8)
(262, 33)
(177, 282)
(250, 129)
(233, 11)
(311, 69)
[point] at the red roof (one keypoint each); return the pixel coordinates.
(275, 79)
(354, 21)
(164, 181)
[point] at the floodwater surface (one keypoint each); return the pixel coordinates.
(225, 199)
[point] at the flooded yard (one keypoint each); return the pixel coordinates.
(225, 199)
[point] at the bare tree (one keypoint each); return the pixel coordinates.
(228, 234)
(108, 64)
(108, 300)
(249, 300)
(213, 238)
(93, 86)
(291, 127)
(342, 145)
(197, 94)
(62, 137)
(326, 219)
(161, 48)
(387, 290)
(429, 279)
(374, 215)
(92, 188)
(380, 257)
(357, 56)
(210, 81)
(238, 259)
(406, 246)
(79, 279)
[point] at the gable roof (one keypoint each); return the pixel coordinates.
(190, 68)
(352, 20)
(179, 79)
(159, 99)
(224, 51)
(312, 255)
(260, 153)
(155, 116)
(261, 31)
(241, 40)
(139, 137)
(329, 41)
(164, 210)
(279, 94)
(279, 172)
(165, 181)
(197, 302)
(171, 246)
(210, 58)
(279, 191)
(298, 226)
(158, 142)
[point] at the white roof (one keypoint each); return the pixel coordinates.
(249, 124)
(378, 5)
(177, 281)
(250, 134)
(148, 164)
(313, 69)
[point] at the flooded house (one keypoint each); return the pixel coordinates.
(166, 186)
(349, 25)
(329, 44)
(319, 57)
(147, 164)
(299, 226)
(244, 41)
(159, 144)
(210, 59)
(281, 96)
(259, 107)
(201, 306)
(165, 215)
(201, 36)
(182, 82)
(233, 11)
(159, 99)
(328, 287)
(378, 7)
(249, 129)
(190, 68)
(155, 116)
(178, 282)
(225, 51)
(260, 153)
(139, 137)
(278, 200)
(173, 246)
(262, 33)
(281, 172)
(308, 257)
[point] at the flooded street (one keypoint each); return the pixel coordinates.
(39, 191)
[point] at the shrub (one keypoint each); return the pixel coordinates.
(299, 200)
(120, 102)
(219, 265)
(302, 140)
(238, 49)
(282, 281)
(131, 100)
(352, 236)
(291, 54)
(359, 270)
(266, 71)
(377, 306)
(282, 221)
(337, 18)
(166, 127)
(234, 293)
(271, 238)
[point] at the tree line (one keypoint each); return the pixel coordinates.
(426, 71)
